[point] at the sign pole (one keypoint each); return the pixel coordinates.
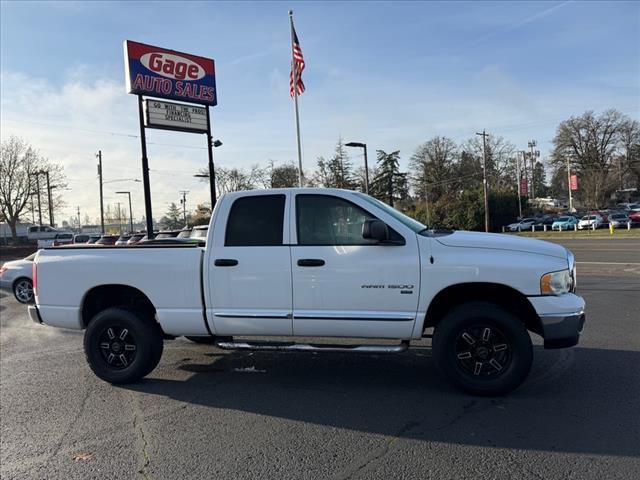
(212, 172)
(145, 172)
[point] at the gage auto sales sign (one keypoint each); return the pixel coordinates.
(158, 72)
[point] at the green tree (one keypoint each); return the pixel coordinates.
(173, 219)
(337, 172)
(283, 176)
(390, 185)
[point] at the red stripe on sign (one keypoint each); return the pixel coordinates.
(135, 50)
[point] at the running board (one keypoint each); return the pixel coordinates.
(305, 347)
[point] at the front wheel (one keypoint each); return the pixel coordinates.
(482, 349)
(23, 290)
(122, 346)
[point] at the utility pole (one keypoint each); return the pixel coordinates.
(183, 201)
(37, 175)
(99, 155)
(49, 188)
(534, 154)
(484, 135)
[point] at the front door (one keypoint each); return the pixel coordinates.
(250, 268)
(345, 285)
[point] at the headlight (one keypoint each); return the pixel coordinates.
(556, 283)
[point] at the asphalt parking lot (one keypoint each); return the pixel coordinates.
(205, 413)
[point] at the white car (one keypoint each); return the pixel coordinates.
(522, 225)
(324, 263)
(590, 221)
(16, 276)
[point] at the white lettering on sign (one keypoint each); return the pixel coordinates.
(172, 66)
(175, 116)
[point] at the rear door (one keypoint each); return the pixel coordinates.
(343, 284)
(249, 287)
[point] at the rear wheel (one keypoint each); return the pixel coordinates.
(122, 346)
(483, 349)
(23, 290)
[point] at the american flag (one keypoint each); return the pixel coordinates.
(297, 66)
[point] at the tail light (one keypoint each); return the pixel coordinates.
(34, 278)
(56, 243)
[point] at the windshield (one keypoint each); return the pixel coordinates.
(414, 225)
(199, 233)
(563, 219)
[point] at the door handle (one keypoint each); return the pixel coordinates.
(225, 262)
(310, 262)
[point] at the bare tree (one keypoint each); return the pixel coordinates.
(236, 179)
(588, 143)
(432, 165)
(19, 161)
(282, 176)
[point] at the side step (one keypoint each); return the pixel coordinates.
(310, 347)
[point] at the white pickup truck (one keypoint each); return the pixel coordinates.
(317, 263)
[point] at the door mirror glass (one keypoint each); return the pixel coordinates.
(375, 230)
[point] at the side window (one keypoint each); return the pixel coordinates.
(33, 229)
(255, 221)
(327, 220)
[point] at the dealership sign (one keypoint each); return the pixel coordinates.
(574, 182)
(158, 72)
(524, 188)
(175, 116)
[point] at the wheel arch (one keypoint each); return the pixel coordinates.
(101, 297)
(505, 296)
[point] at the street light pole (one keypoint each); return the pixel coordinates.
(99, 155)
(212, 174)
(484, 178)
(130, 211)
(366, 164)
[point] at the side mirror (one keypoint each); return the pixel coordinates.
(375, 230)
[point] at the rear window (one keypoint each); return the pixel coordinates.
(256, 221)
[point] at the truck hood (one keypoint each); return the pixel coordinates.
(497, 241)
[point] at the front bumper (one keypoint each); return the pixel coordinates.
(34, 314)
(562, 319)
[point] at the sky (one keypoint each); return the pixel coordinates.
(392, 75)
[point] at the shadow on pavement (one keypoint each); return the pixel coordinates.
(580, 400)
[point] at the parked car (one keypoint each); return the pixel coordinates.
(93, 238)
(136, 238)
(107, 240)
(199, 231)
(167, 234)
(524, 224)
(590, 221)
(16, 276)
(618, 219)
(81, 238)
(184, 233)
(123, 239)
(313, 262)
(63, 239)
(634, 216)
(43, 232)
(567, 222)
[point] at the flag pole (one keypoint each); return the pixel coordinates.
(295, 101)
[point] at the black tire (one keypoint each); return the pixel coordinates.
(482, 349)
(122, 346)
(23, 290)
(203, 340)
